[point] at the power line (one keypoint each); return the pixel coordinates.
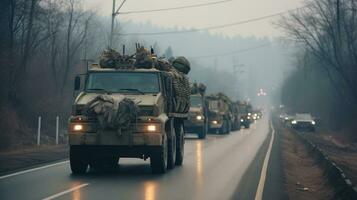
(232, 52)
(175, 8)
(214, 27)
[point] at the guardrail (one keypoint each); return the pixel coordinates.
(344, 187)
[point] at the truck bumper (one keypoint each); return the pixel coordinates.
(97, 151)
(110, 138)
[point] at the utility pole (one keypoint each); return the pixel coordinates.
(114, 14)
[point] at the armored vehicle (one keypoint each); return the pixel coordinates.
(219, 113)
(198, 114)
(130, 106)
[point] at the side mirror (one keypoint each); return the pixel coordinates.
(77, 83)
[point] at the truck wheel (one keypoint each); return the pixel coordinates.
(78, 160)
(229, 127)
(203, 132)
(247, 125)
(158, 159)
(180, 145)
(171, 160)
(224, 128)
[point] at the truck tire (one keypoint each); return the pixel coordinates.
(78, 160)
(224, 128)
(171, 159)
(203, 132)
(158, 159)
(180, 144)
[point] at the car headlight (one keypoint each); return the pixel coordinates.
(248, 117)
(294, 122)
(199, 117)
(313, 122)
(242, 120)
(249, 114)
(286, 118)
(82, 127)
(214, 122)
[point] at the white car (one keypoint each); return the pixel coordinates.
(303, 121)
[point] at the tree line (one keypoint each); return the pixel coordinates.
(325, 79)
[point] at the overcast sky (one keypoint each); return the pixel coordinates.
(225, 13)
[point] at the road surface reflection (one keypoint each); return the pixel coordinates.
(150, 189)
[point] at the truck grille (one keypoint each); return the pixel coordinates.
(146, 111)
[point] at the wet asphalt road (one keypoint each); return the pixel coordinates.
(212, 169)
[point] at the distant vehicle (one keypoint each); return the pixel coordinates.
(304, 122)
(246, 114)
(286, 119)
(236, 116)
(198, 114)
(219, 114)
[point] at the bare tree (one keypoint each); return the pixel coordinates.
(328, 30)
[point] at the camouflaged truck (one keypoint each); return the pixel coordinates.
(156, 126)
(198, 114)
(219, 113)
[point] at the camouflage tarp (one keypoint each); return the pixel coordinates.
(112, 113)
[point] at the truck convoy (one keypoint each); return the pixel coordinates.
(131, 106)
(219, 113)
(198, 114)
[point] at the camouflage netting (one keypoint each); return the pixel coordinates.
(110, 58)
(223, 98)
(112, 113)
(182, 64)
(145, 60)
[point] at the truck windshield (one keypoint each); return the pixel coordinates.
(125, 82)
(196, 101)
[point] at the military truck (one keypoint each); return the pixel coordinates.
(219, 114)
(245, 110)
(236, 116)
(131, 106)
(198, 114)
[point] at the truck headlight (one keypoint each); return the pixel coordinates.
(199, 117)
(152, 128)
(214, 122)
(78, 127)
(82, 127)
(313, 122)
(294, 122)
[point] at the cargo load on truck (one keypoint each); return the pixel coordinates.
(144, 59)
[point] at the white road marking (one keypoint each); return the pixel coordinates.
(260, 189)
(66, 191)
(33, 169)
